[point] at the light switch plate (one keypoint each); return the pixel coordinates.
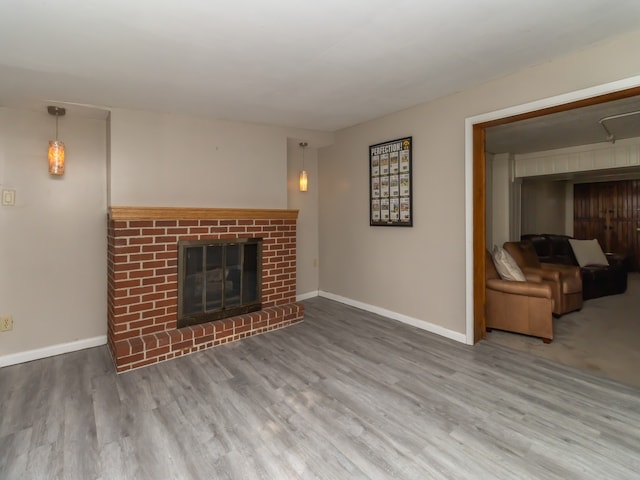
(8, 197)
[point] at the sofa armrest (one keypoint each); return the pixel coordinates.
(615, 259)
(533, 277)
(564, 270)
(528, 289)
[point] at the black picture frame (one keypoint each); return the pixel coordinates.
(391, 183)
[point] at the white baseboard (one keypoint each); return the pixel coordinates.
(38, 353)
(430, 327)
(307, 296)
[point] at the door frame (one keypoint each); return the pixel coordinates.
(475, 181)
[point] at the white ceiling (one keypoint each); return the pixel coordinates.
(314, 64)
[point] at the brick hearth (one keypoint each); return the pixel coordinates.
(143, 279)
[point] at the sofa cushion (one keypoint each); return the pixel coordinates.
(541, 244)
(588, 252)
(506, 266)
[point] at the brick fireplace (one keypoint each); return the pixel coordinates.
(143, 279)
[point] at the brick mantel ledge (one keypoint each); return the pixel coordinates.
(188, 213)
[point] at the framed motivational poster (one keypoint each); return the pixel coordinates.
(390, 183)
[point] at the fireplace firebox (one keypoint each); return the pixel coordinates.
(218, 279)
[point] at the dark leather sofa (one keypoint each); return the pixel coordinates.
(597, 280)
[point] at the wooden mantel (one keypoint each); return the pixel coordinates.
(186, 213)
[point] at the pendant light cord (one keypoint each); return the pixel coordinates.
(303, 145)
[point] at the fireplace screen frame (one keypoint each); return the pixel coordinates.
(193, 318)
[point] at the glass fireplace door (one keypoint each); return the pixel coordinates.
(218, 279)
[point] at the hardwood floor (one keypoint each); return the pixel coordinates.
(345, 394)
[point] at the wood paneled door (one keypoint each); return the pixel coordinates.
(610, 212)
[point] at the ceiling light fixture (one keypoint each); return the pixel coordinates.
(303, 172)
(56, 147)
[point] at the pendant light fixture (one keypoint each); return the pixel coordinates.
(56, 147)
(303, 172)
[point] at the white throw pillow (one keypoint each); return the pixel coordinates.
(588, 252)
(506, 266)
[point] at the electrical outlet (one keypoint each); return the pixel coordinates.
(6, 323)
(8, 197)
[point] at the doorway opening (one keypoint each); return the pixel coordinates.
(476, 180)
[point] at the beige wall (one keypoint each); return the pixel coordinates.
(420, 272)
(544, 206)
(176, 160)
(307, 205)
(501, 199)
(53, 275)
(568, 209)
(154, 155)
(489, 198)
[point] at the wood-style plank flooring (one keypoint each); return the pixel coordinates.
(344, 395)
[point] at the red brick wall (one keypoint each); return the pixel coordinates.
(143, 286)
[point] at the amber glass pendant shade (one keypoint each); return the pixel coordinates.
(56, 147)
(303, 181)
(56, 157)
